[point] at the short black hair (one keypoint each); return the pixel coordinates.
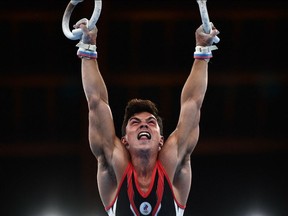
(137, 106)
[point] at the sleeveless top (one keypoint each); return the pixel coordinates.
(159, 200)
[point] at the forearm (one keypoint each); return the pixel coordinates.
(196, 83)
(93, 83)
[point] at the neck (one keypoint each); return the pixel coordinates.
(144, 163)
(144, 167)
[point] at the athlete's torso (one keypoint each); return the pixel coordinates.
(158, 201)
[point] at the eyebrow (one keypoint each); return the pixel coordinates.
(152, 117)
(138, 119)
(134, 118)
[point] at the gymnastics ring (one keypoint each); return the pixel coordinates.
(76, 34)
(205, 19)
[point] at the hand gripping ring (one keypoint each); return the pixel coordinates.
(76, 34)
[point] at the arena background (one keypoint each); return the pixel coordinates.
(145, 50)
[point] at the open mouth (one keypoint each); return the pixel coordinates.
(144, 134)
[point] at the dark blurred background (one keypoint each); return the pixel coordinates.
(145, 50)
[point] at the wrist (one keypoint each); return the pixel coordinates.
(86, 54)
(204, 52)
(90, 47)
(86, 51)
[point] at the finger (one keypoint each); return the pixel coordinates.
(83, 21)
(214, 32)
(84, 28)
(212, 25)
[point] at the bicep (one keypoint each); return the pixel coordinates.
(183, 140)
(110, 171)
(102, 136)
(101, 129)
(188, 127)
(111, 155)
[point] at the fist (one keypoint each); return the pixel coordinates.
(203, 39)
(89, 36)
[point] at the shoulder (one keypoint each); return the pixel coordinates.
(176, 152)
(110, 175)
(113, 159)
(179, 181)
(168, 155)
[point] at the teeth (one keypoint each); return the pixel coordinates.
(146, 134)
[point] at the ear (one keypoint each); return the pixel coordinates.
(124, 142)
(161, 143)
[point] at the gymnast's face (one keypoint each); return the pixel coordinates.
(142, 133)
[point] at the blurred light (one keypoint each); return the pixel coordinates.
(52, 214)
(257, 213)
(50, 211)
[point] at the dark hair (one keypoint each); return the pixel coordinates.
(138, 105)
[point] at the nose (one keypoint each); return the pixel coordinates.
(144, 125)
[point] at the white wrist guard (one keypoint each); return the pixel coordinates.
(89, 47)
(204, 52)
(87, 51)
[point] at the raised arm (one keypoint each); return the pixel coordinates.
(102, 136)
(175, 154)
(111, 155)
(193, 93)
(106, 146)
(101, 128)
